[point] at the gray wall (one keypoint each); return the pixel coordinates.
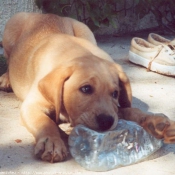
(9, 7)
(126, 22)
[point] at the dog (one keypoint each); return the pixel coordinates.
(60, 74)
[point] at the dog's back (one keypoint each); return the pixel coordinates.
(24, 38)
(35, 25)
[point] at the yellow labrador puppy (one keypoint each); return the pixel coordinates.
(55, 67)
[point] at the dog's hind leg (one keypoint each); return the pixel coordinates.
(82, 31)
(5, 83)
(4, 79)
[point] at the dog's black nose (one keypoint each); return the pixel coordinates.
(104, 121)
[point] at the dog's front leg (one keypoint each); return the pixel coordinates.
(159, 125)
(49, 145)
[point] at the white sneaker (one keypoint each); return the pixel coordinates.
(160, 59)
(158, 40)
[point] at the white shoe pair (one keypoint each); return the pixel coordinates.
(157, 54)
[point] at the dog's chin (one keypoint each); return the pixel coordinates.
(91, 124)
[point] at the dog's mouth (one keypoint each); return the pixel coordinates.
(101, 122)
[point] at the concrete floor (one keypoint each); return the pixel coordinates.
(151, 92)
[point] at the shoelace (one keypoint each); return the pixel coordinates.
(172, 47)
(150, 63)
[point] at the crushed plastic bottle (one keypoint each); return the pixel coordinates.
(128, 143)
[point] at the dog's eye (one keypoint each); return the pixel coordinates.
(115, 94)
(87, 89)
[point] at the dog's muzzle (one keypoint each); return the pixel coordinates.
(104, 121)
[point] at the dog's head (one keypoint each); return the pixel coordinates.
(88, 91)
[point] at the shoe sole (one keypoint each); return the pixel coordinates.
(162, 69)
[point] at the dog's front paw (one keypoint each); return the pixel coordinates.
(5, 83)
(160, 126)
(156, 124)
(51, 149)
(169, 134)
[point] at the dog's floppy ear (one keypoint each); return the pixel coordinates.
(51, 86)
(125, 97)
